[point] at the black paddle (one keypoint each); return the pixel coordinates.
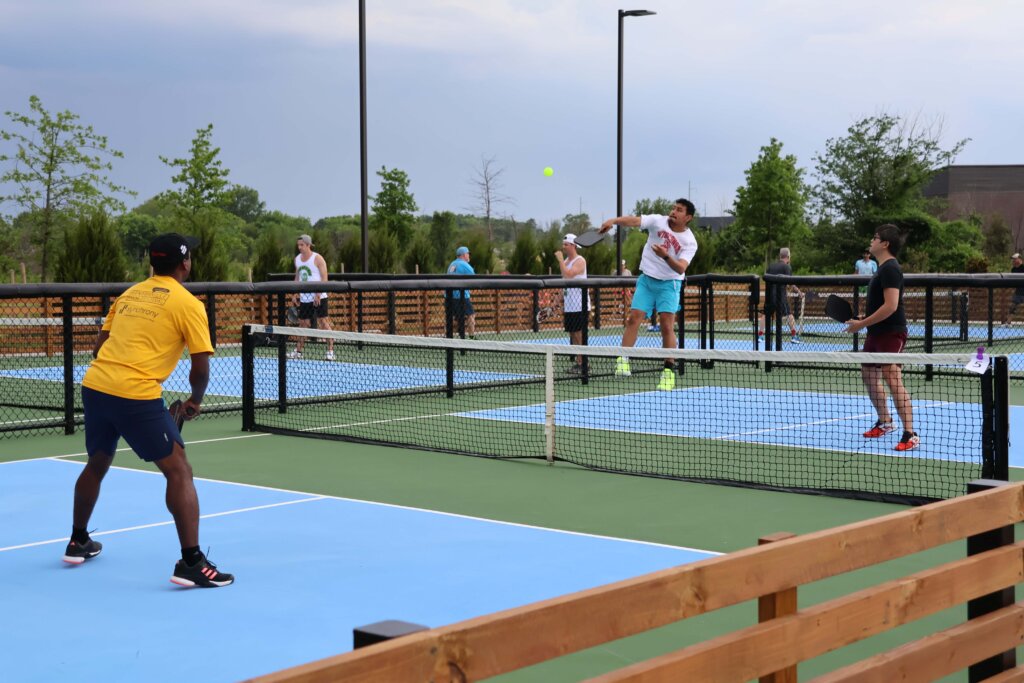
(838, 308)
(590, 238)
(178, 413)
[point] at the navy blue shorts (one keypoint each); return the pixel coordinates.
(145, 425)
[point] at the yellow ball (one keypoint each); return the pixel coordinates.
(548, 171)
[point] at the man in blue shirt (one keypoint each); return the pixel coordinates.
(865, 266)
(460, 306)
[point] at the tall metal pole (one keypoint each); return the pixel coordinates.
(618, 177)
(618, 158)
(363, 182)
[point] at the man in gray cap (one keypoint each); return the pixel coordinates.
(311, 267)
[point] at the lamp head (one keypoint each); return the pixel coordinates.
(635, 13)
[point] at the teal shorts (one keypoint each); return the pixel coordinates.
(656, 295)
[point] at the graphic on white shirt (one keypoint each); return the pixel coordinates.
(308, 272)
(680, 245)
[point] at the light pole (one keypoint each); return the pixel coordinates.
(364, 207)
(618, 187)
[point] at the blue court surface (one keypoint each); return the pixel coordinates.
(308, 570)
(824, 422)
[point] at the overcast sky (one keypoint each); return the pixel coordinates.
(531, 83)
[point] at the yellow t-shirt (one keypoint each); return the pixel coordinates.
(149, 325)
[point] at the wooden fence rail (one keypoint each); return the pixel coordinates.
(490, 645)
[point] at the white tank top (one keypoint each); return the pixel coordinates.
(573, 302)
(308, 272)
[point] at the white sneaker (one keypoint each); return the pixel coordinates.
(295, 355)
(330, 355)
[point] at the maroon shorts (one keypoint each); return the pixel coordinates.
(885, 342)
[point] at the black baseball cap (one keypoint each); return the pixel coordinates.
(171, 249)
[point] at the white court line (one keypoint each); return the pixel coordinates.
(64, 539)
(126, 449)
(406, 507)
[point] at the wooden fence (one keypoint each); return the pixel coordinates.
(771, 573)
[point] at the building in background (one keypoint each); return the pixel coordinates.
(985, 191)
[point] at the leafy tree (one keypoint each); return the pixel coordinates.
(600, 258)
(879, 167)
(998, 240)
(210, 262)
(92, 251)
(525, 258)
(659, 206)
(243, 202)
(442, 230)
(136, 231)
(549, 243)
(769, 209)
(350, 254)
(57, 171)
(201, 179)
(394, 204)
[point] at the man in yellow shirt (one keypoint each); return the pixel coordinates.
(140, 344)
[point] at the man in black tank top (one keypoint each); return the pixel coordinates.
(886, 323)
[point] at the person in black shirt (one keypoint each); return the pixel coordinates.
(886, 322)
(776, 299)
(1018, 293)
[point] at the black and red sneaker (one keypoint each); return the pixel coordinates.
(203, 574)
(77, 554)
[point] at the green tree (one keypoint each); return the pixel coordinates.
(659, 206)
(393, 206)
(420, 254)
(525, 258)
(243, 202)
(998, 240)
(210, 262)
(200, 177)
(769, 209)
(92, 251)
(442, 230)
(383, 252)
(136, 231)
(271, 256)
(879, 167)
(481, 251)
(58, 170)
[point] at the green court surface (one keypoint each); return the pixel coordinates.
(559, 496)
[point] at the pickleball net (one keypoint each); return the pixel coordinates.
(776, 420)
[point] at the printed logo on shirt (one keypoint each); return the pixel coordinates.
(670, 239)
(304, 273)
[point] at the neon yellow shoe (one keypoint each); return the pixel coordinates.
(622, 367)
(668, 380)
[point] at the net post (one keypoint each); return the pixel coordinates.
(775, 605)
(585, 333)
(282, 374)
(211, 316)
(963, 303)
(711, 316)
(536, 309)
(986, 604)
(68, 334)
(856, 311)
(991, 313)
(449, 327)
(549, 406)
(1000, 453)
(929, 328)
(248, 380)
(449, 372)
(392, 324)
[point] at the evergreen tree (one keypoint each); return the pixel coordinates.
(92, 251)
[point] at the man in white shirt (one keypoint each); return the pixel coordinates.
(573, 267)
(670, 248)
(310, 267)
